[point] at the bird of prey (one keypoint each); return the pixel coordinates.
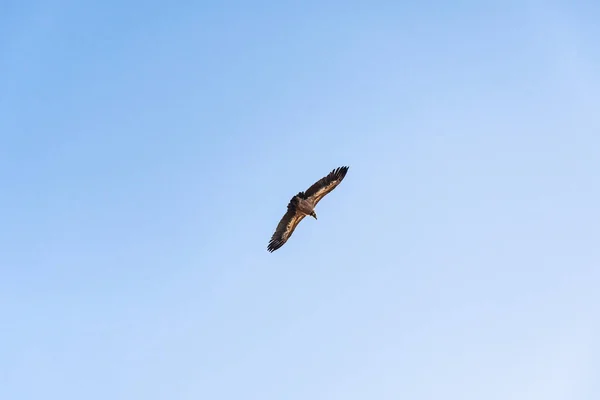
(303, 204)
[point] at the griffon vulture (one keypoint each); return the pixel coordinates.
(303, 204)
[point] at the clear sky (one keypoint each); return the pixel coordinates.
(147, 153)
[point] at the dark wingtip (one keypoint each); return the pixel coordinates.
(274, 245)
(340, 172)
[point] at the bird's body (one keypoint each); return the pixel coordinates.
(303, 204)
(305, 207)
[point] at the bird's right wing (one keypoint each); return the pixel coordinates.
(285, 228)
(325, 185)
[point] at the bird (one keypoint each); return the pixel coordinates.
(303, 204)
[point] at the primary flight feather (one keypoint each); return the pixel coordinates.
(303, 204)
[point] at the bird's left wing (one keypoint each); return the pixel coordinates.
(285, 228)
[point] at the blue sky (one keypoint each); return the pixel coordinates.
(147, 153)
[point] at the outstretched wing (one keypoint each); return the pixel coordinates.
(325, 185)
(286, 226)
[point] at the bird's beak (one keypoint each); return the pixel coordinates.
(315, 216)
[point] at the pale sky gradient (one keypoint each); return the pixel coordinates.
(148, 151)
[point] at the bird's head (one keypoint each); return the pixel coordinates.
(314, 215)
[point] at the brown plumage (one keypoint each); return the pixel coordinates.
(303, 204)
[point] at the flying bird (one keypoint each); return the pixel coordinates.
(303, 204)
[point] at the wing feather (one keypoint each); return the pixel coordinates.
(325, 185)
(286, 226)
